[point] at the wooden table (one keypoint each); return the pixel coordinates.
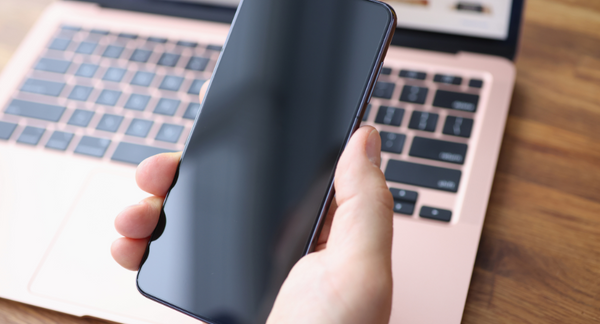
(539, 256)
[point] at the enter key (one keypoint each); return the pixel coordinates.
(438, 150)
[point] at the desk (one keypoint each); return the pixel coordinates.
(539, 257)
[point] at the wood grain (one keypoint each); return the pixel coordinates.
(539, 256)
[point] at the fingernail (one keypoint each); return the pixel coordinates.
(374, 148)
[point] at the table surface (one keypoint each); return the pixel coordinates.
(539, 256)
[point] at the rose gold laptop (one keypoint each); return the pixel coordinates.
(97, 86)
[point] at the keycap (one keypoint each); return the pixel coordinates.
(129, 36)
(48, 88)
(86, 70)
(140, 55)
(389, 116)
(166, 106)
(135, 153)
(114, 74)
(475, 83)
(169, 59)
(59, 44)
(99, 31)
(413, 74)
(92, 146)
(191, 111)
(171, 82)
(383, 90)
(142, 78)
(59, 140)
(217, 48)
(392, 142)
(71, 28)
(81, 118)
(424, 121)
(6, 130)
(187, 44)
(414, 94)
(196, 86)
(197, 63)
(108, 97)
(52, 65)
(169, 133)
(35, 110)
(157, 40)
(386, 71)
(423, 175)
(139, 127)
(403, 207)
(86, 48)
(31, 135)
(405, 195)
(80, 93)
(456, 100)
(438, 150)
(449, 79)
(367, 111)
(458, 126)
(436, 213)
(109, 123)
(113, 51)
(137, 102)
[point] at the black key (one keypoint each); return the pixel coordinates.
(113, 51)
(81, 118)
(59, 44)
(191, 111)
(438, 150)
(458, 126)
(171, 82)
(405, 195)
(366, 115)
(414, 94)
(59, 140)
(86, 70)
(6, 130)
(157, 40)
(217, 48)
(392, 142)
(108, 97)
(456, 100)
(195, 87)
(35, 110)
(139, 127)
(142, 78)
(389, 116)
(86, 48)
(99, 32)
(436, 213)
(166, 107)
(52, 65)
(114, 74)
(475, 83)
(129, 36)
(424, 121)
(135, 153)
(48, 88)
(80, 93)
(386, 71)
(169, 59)
(384, 90)
(403, 207)
(423, 175)
(71, 28)
(137, 102)
(197, 63)
(140, 55)
(92, 146)
(187, 44)
(169, 133)
(31, 135)
(109, 123)
(413, 74)
(449, 79)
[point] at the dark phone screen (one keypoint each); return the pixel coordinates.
(259, 163)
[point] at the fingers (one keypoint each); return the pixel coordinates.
(203, 90)
(128, 252)
(138, 221)
(155, 174)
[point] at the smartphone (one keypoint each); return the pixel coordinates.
(256, 176)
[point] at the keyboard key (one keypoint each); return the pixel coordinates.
(166, 107)
(92, 146)
(366, 115)
(6, 130)
(197, 63)
(187, 44)
(392, 142)
(137, 102)
(157, 40)
(403, 207)
(70, 28)
(217, 48)
(35, 110)
(59, 140)
(114, 74)
(169, 59)
(81, 118)
(52, 65)
(423, 175)
(80, 93)
(405, 195)
(448, 79)
(384, 90)
(424, 121)
(139, 127)
(389, 116)
(191, 111)
(48, 88)
(31, 135)
(438, 150)
(86, 70)
(458, 126)
(140, 55)
(414, 94)
(86, 48)
(436, 213)
(109, 123)
(475, 83)
(456, 100)
(135, 153)
(169, 133)
(128, 36)
(413, 74)
(171, 82)
(386, 71)
(99, 32)
(59, 44)
(108, 97)
(142, 78)
(113, 51)
(195, 87)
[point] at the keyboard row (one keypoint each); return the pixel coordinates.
(405, 201)
(418, 95)
(439, 78)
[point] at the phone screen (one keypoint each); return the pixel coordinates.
(257, 170)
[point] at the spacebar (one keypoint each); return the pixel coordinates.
(135, 153)
(423, 175)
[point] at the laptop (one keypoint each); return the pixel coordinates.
(99, 85)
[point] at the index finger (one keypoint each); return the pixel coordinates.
(155, 174)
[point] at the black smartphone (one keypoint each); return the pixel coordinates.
(256, 176)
